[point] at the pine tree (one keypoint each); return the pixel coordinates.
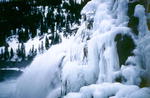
(6, 52)
(42, 47)
(33, 52)
(18, 51)
(2, 54)
(46, 43)
(11, 53)
(23, 36)
(39, 48)
(23, 54)
(30, 54)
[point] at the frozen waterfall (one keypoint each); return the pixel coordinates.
(87, 65)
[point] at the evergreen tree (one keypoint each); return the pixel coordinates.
(18, 51)
(56, 38)
(11, 53)
(6, 52)
(32, 50)
(23, 36)
(23, 54)
(39, 48)
(35, 52)
(30, 53)
(42, 47)
(47, 43)
(2, 54)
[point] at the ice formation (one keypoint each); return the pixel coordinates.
(36, 77)
(140, 13)
(87, 65)
(109, 19)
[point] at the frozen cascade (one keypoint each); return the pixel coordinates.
(87, 65)
(42, 76)
(109, 19)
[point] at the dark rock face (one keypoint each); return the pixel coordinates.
(133, 24)
(125, 46)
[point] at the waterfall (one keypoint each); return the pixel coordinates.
(87, 64)
(42, 76)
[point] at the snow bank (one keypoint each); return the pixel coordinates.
(111, 90)
(141, 93)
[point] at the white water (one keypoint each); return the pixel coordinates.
(88, 63)
(42, 76)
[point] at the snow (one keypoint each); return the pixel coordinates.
(141, 93)
(36, 42)
(13, 42)
(46, 11)
(125, 91)
(4, 0)
(15, 69)
(111, 90)
(79, 1)
(73, 95)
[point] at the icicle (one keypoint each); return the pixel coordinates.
(142, 27)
